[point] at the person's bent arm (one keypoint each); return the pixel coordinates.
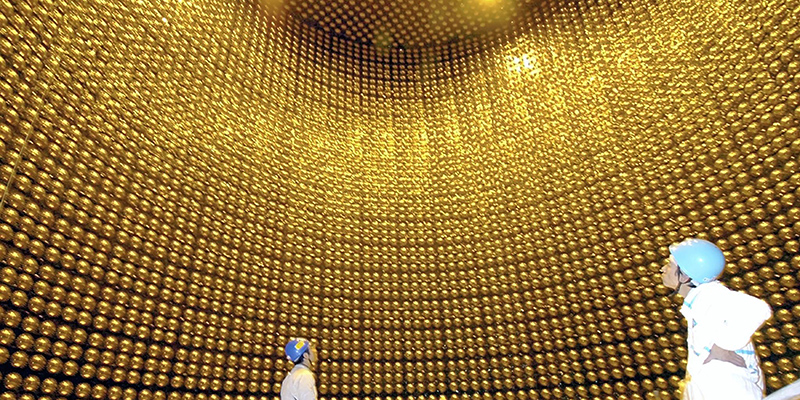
(742, 316)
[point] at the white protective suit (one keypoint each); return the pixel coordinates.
(718, 315)
(299, 384)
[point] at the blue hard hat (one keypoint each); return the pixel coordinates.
(296, 348)
(700, 259)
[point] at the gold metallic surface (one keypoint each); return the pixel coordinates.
(455, 200)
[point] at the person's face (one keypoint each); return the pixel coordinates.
(669, 274)
(311, 355)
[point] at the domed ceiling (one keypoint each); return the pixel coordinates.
(405, 24)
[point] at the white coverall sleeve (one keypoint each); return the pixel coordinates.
(741, 316)
(306, 387)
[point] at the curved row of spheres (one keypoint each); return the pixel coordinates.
(474, 217)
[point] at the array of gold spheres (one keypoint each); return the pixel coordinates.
(455, 200)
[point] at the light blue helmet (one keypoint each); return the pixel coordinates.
(700, 259)
(296, 348)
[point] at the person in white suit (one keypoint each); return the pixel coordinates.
(300, 383)
(722, 362)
